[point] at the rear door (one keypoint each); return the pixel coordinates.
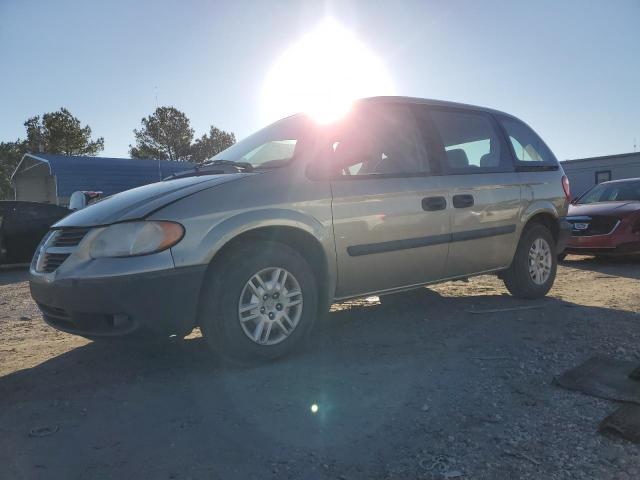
(483, 189)
(390, 213)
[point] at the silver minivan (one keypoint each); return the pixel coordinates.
(257, 243)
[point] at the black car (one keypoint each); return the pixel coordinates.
(22, 226)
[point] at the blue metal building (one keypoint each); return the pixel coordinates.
(48, 178)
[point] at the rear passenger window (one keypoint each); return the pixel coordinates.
(527, 146)
(471, 142)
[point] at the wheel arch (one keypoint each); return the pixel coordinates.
(305, 235)
(544, 214)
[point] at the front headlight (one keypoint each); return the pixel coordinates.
(135, 238)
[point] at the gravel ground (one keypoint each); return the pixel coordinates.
(423, 391)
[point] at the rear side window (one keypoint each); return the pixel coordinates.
(528, 148)
(471, 142)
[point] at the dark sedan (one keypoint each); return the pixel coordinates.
(606, 219)
(22, 226)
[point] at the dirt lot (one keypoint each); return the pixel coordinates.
(430, 391)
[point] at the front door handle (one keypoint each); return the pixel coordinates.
(463, 201)
(431, 204)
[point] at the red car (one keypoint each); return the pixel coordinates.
(606, 219)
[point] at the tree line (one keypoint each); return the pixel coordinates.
(165, 135)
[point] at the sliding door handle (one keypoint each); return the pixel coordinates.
(463, 201)
(431, 204)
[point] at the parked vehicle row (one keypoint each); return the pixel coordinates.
(256, 245)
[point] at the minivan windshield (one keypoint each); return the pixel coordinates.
(612, 192)
(273, 146)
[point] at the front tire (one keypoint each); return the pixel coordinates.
(533, 269)
(259, 304)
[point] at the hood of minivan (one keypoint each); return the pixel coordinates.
(619, 209)
(139, 202)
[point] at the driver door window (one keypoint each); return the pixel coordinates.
(381, 141)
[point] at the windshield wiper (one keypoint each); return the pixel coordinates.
(213, 167)
(246, 166)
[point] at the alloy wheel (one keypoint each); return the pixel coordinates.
(540, 261)
(270, 306)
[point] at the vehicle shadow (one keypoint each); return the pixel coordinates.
(627, 266)
(349, 326)
(359, 385)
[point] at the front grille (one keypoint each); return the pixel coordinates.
(52, 261)
(598, 225)
(68, 237)
(58, 246)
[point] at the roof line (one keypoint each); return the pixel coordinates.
(429, 101)
(630, 154)
(22, 160)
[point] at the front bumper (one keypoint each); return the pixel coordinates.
(622, 240)
(162, 302)
(626, 248)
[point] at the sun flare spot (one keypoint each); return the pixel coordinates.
(322, 74)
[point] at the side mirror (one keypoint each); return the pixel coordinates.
(80, 199)
(77, 201)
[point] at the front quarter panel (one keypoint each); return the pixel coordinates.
(277, 198)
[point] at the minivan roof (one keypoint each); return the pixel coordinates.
(427, 101)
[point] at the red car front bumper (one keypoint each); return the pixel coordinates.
(622, 240)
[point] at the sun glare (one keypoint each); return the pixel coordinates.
(322, 74)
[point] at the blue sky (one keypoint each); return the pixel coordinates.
(571, 69)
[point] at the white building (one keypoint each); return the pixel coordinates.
(584, 173)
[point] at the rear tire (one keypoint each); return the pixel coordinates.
(265, 274)
(533, 269)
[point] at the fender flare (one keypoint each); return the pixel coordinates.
(224, 232)
(537, 207)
